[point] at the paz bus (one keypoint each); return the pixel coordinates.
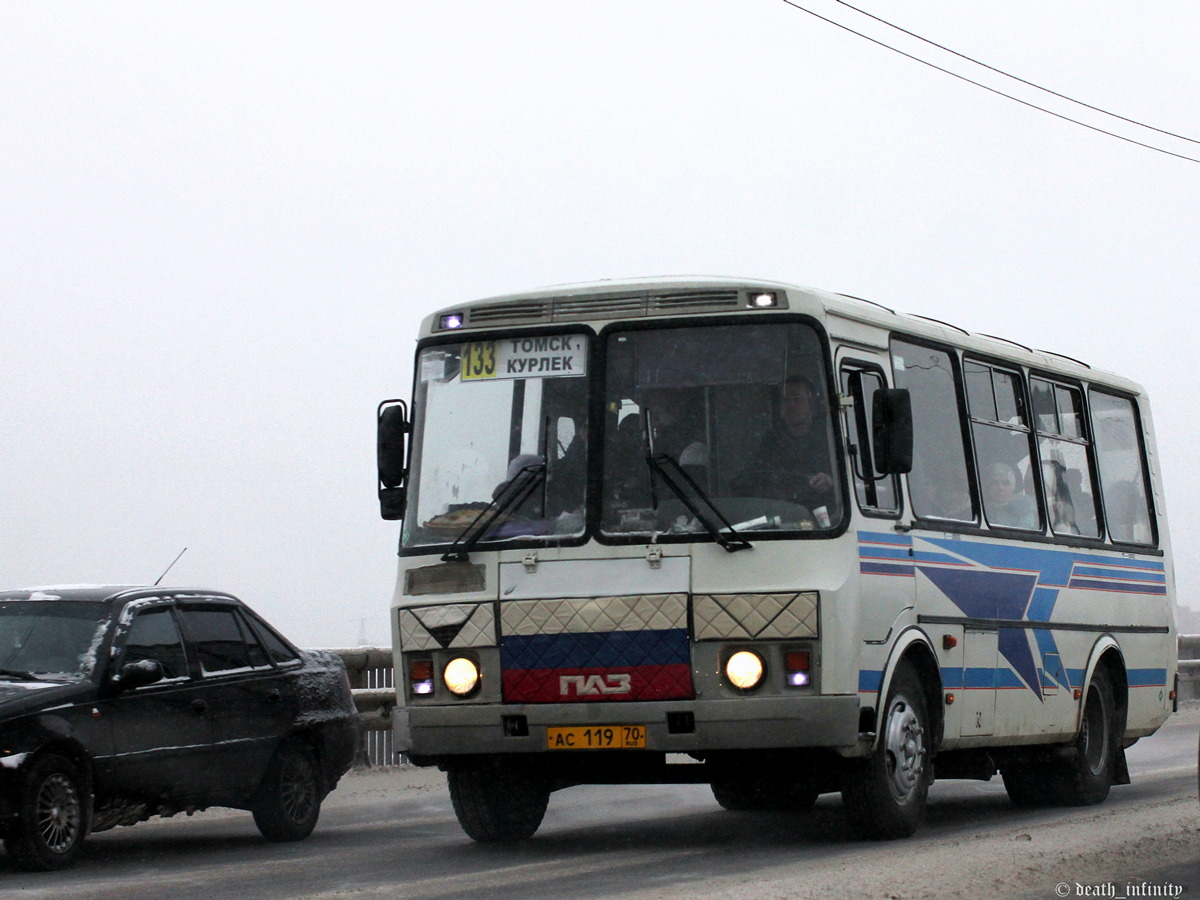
(775, 540)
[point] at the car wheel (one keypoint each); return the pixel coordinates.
(51, 817)
(290, 798)
(497, 802)
(885, 793)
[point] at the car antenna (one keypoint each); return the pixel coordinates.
(168, 568)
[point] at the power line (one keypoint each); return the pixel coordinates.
(1024, 81)
(993, 90)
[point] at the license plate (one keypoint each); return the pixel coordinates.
(597, 737)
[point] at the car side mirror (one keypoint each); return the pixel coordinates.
(392, 429)
(140, 673)
(892, 431)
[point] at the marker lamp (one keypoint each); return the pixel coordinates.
(451, 321)
(744, 669)
(461, 676)
(797, 666)
(763, 300)
(420, 676)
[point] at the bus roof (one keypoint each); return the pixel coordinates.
(601, 302)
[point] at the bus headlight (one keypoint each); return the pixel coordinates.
(744, 669)
(461, 676)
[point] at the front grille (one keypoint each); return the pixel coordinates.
(595, 649)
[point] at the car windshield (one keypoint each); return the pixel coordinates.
(49, 638)
(743, 410)
(485, 413)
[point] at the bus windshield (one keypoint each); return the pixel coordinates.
(742, 410)
(488, 412)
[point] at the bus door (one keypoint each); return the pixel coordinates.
(885, 553)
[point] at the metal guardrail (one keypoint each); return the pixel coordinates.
(372, 682)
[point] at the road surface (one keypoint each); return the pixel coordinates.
(392, 833)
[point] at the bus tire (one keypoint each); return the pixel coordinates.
(1084, 779)
(51, 817)
(885, 793)
(756, 794)
(1028, 786)
(497, 802)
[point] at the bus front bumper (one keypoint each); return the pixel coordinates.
(670, 727)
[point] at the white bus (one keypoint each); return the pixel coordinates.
(775, 540)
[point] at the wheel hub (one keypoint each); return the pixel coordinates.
(905, 749)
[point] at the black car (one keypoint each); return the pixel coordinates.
(122, 703)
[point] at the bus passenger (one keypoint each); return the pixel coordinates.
(1005, 501)
(794, 456)
(677, 429)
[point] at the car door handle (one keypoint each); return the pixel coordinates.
(199, 707)
(273, 695)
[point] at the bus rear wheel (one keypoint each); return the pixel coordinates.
(1085, 776)
(497, 801)
(885, 793)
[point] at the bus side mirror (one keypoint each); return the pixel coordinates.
(391, 444)
(892, 430)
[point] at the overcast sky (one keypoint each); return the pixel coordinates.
(221, 223)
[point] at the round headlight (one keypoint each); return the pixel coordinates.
(744, 669)
(461, 676)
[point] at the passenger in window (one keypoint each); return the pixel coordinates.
(1005, 500)
(677, 429)
(794, 457)
(1128, 520)
(1058, 498)
(952, 500)
(526, 517)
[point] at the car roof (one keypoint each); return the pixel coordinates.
(109, 593)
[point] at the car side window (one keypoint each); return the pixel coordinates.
(215, 633)
(153, 634)
(277, 649)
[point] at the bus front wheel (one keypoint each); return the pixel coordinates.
(497, 801)
(885, 793)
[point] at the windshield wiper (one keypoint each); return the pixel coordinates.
(18, 675)
(519, 487)
(679, 481)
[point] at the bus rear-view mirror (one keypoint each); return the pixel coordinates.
(392, 429)
(892, 429)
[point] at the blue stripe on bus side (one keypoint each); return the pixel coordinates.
(872, 568)
(1082, 571)
(1118, 587)
(1147, 677)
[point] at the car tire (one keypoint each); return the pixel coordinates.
(497, 802)
(52, 815)
(759, 794)
(885, 793)
(291, 794)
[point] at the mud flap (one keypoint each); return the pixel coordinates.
(1120, 768)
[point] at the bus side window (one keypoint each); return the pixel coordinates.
(1122, 466)
(938, 484)
(1000, 429)
(875, 493)
(1066, 458)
